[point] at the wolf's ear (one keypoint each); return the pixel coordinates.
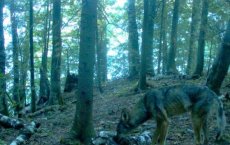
(124, 115)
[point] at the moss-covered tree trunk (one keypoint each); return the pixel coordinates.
(3, 102)
(44, 82)
(202, 36)
(163, 33)
(142, 77)
(193, 37)
(149, 59)
(15, 55)
(171, 64)
(221, 64)
(83, 125)
(32, 81)
(132, 40)
(55, 93)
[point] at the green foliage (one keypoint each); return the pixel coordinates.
(113, 23)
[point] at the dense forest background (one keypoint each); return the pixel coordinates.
(47, 44)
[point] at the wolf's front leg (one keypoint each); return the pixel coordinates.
(197, 123)
(156, 133)
(163, 132)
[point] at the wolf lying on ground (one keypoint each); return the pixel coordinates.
(160, 104)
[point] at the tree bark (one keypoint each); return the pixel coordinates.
(221, 64)
(32, 83)
(202, 36)
(171, 64)
(44, 82)
(193, 37)
(132, 40)
(55, 94)
(163, 33)
(3, 102)
(149, 59)
(142, 77)
(83, 125)
(15, 56)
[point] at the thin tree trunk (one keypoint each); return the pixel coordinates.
(193, 37)
(15, 56)
(98, 46)
(3, 102)
(171, 64)
(133, 40)
(202, 36)
(83, 125)
(44, 84)
(163, 32)
(142, 77)
(33, 93)
(221, 64)
(55, 95)
(149, 59)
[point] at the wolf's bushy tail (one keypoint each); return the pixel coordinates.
(221, 120)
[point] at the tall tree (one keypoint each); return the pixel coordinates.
(98, 46)
(3, 102)
(202, 36)
(32, 83)
(171, 64)
(193, 37)
(55, 93)
(221, 64)
(142, 77)
(163, 42)
(83, 125)
(15, 55)
(44, 82)
(132, 40)
(149, 59)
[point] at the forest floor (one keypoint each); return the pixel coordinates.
(106, 113)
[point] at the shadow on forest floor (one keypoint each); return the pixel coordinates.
(107, 107)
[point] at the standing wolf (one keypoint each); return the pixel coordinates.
(160, 104)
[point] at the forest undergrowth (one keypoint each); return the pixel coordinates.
(117, 95)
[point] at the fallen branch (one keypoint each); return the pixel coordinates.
(24, 134)
(106, 137)
(25, 130)
(46, 109)
(8, 122)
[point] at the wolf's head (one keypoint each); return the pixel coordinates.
(124, 127)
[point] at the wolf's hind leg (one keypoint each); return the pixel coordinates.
(197, 123)
(163, 133)
(156, 133)
(205, 131)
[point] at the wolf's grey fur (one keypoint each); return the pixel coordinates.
(160, 104)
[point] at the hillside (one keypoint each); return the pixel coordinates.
(107, 107)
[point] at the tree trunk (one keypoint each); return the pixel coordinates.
(193, 37)
(15, 56)
(171, 64)
(3, 102)
(221, 64)
(44, 82)
(33, 93)
(98, 46)
(163, 33)
(103, 54)
(201, 42)
(83, 125)
(132, 40)
(149, 59)
(55, 94)
(142, 77)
